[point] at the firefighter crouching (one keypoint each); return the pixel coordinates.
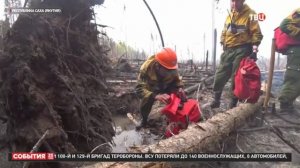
(157, 78)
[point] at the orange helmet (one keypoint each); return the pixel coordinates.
(167, 58)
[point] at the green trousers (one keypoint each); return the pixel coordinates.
(145, 108)
(291, 84)
(230, 61)
(147, 102)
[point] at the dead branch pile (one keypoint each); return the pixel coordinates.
(52, 71)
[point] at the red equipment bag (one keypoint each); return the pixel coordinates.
(283, 41)
(180, 114)
(247, 81)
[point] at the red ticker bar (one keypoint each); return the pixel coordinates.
(24, 156)
(148, 157)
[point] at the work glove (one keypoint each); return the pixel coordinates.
(181, 94)
(253, 55)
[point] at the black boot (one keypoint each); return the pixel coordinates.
(286, 107)
(233, 103)
(216, 102)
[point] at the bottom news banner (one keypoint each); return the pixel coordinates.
(147, 157)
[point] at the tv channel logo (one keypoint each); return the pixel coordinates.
(257, 17)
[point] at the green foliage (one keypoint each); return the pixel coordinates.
(4, 26)
(121, 50)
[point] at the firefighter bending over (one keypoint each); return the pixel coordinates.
(157, 78)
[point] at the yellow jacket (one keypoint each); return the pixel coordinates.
(291, 24)
(248, 31)
(149, 83)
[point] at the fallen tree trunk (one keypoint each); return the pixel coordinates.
(200, 137)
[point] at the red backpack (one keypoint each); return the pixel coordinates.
(180, 114)
(247, 81)
(283, 41)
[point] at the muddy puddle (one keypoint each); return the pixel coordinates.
(126, 135)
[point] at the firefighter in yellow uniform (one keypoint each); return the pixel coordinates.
(291, 85)
(240, 37)
(157, 78)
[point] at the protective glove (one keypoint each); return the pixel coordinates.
(253, 55)
(181, 94)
